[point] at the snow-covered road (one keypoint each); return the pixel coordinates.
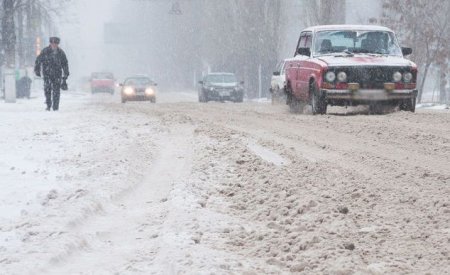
(181, 187)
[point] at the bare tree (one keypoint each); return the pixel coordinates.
(426, 25)
(19, 38)
(9, 33)
(242, 36)
(331, 12)
(323, 12)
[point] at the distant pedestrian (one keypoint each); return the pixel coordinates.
(55, 68)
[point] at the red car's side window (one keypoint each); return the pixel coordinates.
(308, 41)
(301, 43)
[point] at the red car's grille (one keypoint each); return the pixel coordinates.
(372, 77)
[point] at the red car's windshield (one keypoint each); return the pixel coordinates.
(349, 41)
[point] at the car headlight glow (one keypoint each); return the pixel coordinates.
(397, 77)
(128, 90)
(149, 91)
(342, 77)
(330, 77)
(408, 77)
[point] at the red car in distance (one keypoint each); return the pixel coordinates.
(102, 82)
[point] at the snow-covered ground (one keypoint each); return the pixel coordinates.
(58, 169)
(180, 187)
(433, 106)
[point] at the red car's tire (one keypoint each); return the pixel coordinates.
(318, 102)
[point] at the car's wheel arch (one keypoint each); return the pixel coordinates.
(312, 82)
(288, 87)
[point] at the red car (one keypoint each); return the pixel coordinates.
(347, 65)
(102, 82)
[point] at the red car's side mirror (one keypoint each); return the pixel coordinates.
(406, 51)
(304, 51)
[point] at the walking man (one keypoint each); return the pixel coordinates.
(52, 62)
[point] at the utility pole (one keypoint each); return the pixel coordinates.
(259, 81)
(443, 82)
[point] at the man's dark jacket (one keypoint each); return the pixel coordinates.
(54, 64)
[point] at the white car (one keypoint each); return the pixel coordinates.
(277, 83)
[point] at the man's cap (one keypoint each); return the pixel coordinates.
(55, 40)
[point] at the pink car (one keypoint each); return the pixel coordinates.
(102, 83)
(348, 65)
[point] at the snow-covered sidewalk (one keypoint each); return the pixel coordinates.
(102, 187)
(59, 169)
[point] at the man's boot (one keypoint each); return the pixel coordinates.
(56, 95)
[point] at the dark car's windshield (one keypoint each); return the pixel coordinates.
(102, 76)
(343, 41)
(139, 81)
(221, 78)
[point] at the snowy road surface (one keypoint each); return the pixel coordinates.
(180, 187)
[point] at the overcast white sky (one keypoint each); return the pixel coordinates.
(83, 40)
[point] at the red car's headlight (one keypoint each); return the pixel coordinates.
(128, 90)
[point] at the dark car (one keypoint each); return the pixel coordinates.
(102, 82)
(221, 87)
(138, 88)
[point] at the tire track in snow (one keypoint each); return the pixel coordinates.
(126, 237)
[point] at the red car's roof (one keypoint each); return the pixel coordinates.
(347, 27)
